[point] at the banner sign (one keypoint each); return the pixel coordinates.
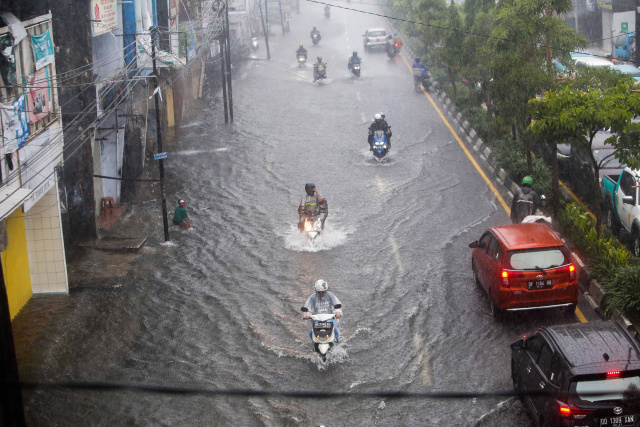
(38, 95)
(191, 40)
(104, 16)
(15, 124)
(42, 49)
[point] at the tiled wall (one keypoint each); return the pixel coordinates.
(46, 249)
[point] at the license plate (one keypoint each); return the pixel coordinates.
(321, 325)
(539, 284)
(622, 420)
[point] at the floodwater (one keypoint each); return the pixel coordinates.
(219, 307)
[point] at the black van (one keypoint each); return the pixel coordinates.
(584, 374)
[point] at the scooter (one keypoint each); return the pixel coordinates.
(254, 44)
(322, 332)
(380, 147)
(315, 38)
(319, 71)
(355, 69)
(392, 51)
(312, 227)
(421, 78)
(426, 81)
(302, 59)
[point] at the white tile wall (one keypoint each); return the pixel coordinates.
(45, 245)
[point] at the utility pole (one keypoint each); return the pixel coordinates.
(223, 74)
(264, 30)
(156, 95)
(228, 53)
(10, 392)
(281, 16)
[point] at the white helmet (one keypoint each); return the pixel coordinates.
(321, 286)
(377, 117)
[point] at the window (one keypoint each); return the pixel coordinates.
(376, 34)
(545, 362)
(492, 247)
(533, 346)
(626, 182)
(537, 259)
(484, 241)
(498, 254)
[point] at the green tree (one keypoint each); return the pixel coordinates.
(430, 17)
(565, 113)
(450, 50)
(477, 54)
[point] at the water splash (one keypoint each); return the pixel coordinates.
(330, 238)
(336, 355)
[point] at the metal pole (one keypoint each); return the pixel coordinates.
(264, 30)
(228, 52)
(156, 94)
(10, 396)
(281, 16)
(223, 73)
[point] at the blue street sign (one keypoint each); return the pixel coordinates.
(159, 156)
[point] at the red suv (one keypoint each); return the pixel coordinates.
(523, 267)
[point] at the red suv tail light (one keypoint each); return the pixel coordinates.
(571, 412)
(571, 269)
(506, 274)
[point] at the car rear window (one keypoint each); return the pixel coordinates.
(377, 33)
(605, 389)
(537, 259)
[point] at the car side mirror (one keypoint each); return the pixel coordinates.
(628, 200)
(474, 244)
(517, 345)
(337, 306)
(304, 309)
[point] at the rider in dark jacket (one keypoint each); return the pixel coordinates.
(301, 51)
(525, 202)
(378, 124)
(353, 59)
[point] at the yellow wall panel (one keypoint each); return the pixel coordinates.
(171, 122)
(15, 264)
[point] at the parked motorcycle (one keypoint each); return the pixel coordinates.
(322, 332)
(315, 38)
(302, 59)
(380, 147)
(355, 69)
(319, 72)
(254, 44)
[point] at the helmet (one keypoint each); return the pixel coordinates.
(319, 58)
(377, 117)
(309, 188)
(314, 28)
(382, 115)
(300, 44)
(181, 203)
(395, 33)
(321, 286)
(417, 59)
(527, 180)
(355, 53)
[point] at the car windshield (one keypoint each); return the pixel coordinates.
(537, 259)
(603, 390)
(606, 153)
(621, 39)
(376, 33)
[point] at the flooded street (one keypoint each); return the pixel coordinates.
(219, 306)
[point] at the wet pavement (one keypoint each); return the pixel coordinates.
(219, 306)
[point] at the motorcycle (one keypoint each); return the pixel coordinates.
(421, 78)
(323, 332)
(355, 69)
(327, 13)
(302, 59)
(312, 227)
(254, 44)
(315, 38)
(393, 50)
(380, 148)
(319, 71)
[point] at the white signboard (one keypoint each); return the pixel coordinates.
(104, 16)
